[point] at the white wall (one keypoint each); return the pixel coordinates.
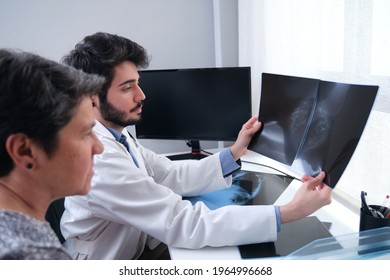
(176, 33)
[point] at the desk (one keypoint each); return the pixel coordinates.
(343, 221)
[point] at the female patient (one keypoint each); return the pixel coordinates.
(46, 149)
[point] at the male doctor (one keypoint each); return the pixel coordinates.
(135, 202)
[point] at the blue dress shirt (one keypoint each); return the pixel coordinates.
(123, 140)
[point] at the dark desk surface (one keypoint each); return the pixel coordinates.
(291, 237)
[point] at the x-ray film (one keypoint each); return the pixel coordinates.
(312, 125)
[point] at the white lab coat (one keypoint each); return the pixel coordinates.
(129, 207)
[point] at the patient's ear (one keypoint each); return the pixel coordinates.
(94, 101)
(20, 149)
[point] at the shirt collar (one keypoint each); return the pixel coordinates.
(117, 135)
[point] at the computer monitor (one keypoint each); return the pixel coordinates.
(195, 104)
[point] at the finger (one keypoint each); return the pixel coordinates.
(317, 181)
(250, 123)
(253, 130)
(257, 126)
(325, 187)
(306, 178)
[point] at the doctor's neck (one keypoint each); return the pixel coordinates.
(111, 125)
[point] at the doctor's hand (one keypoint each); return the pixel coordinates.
(311, 196)
(240, 146)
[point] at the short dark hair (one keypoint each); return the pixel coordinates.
(38, 97)
(101, 52)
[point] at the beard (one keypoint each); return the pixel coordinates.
(117, 117)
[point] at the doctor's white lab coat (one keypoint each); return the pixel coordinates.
(130, 207)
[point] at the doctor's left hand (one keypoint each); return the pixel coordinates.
(240, 146)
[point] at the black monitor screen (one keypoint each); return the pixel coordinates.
(195, 104)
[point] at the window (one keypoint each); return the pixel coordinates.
(342, 41)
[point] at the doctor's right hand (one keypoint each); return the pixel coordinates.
(248, 130)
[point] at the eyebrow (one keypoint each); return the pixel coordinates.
(127, 82)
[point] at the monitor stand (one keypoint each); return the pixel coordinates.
(196, 152)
